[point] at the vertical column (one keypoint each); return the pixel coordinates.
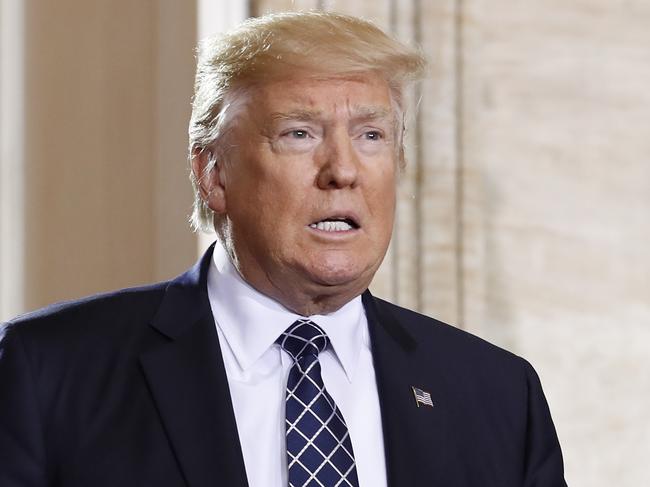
(403, 257)
(440, 163)
(12, 139)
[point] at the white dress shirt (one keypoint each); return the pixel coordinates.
(248, 323)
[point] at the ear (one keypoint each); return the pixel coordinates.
(208, 174)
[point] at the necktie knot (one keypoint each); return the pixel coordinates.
(303, 338)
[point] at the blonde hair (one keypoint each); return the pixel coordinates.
(273, 47)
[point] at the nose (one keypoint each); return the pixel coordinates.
(339, 163)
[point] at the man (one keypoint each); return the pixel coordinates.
(269, 363)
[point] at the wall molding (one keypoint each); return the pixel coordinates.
(12, 139)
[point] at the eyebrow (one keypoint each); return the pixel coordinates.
(372, 113)
(359, 112)
(302, 115)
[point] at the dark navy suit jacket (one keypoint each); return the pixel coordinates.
(129, 389)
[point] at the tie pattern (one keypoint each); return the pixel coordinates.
(319, 451)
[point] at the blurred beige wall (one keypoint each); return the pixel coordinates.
(556, 173)
(107, 87)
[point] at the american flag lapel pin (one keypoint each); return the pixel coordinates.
(422, 398)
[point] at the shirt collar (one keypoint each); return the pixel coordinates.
(251, 321)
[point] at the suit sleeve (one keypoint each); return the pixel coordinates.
(544, 465)
(22, 454)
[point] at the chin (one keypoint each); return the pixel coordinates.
(340, 274)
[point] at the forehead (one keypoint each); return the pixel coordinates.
(313, 97)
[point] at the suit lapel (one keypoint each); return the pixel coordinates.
(188, 382)
(413, 436)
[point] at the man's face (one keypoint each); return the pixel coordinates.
(308, 188)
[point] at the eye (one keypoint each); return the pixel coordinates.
(373, 135)
(297, 134)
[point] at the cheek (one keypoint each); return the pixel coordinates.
(385, 212)
(384, 192)
(278, 210)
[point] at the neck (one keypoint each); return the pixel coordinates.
(303, 297)
(309, 305)
(307, 300)
(299, 293)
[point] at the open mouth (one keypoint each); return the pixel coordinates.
(335, 224)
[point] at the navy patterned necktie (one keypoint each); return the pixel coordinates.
(319, 451)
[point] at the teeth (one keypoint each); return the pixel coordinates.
(331, 226)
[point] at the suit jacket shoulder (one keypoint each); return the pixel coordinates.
(125, 388)
(489, 424)
(455, 350)
(100, 317)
